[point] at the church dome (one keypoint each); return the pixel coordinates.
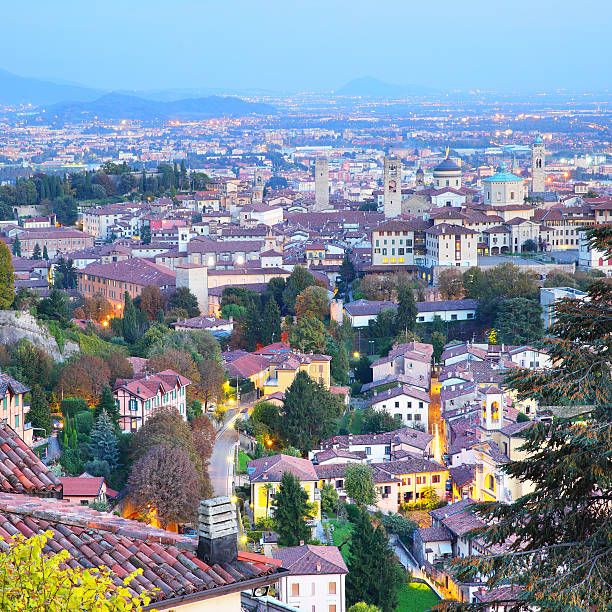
(447, 166)
(538, 139)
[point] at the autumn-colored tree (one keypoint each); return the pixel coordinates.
(151, 301)
(308, 335)
(30, 364)
(178, 360)
(119, 367)
(204, 435)
(450, 284)
(33, 578)
(312, 302)
(83, 378)
(97, 308)
(212, 377)
(164, 484)
(379, 287)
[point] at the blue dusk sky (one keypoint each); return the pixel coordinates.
(310, 44)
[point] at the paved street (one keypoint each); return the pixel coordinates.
(221, 462)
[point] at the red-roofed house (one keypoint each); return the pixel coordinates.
(84, 489)
(137, 398)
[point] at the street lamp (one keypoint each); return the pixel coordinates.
(356, 354)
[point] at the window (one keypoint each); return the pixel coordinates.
(332, 608)
(339, 484)
(16, 421)
(417, 417)
(295, 589)
(397, 404)
(435, 478)
(332, 588)
(368, 450)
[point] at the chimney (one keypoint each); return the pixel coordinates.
(218, 531)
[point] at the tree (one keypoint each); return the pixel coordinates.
(104, 444)
(276, 286)
(130, 320)
(33, 578)
(405, 318)
(233, 310)
(164, 484)
(119, 367)
(97, 308)
(65, 274)
(359, 484)
(339, 361)
(530, 246)
(30, 363)
(212, 378)
(379, 421)
(39, 414)
(309, 413)
(17, 247)
(307, 335)
(519, 321)
(107, 404)
(178, 360)
(329, 499)
(300, 279)
(291, 509)
(560, 549)
(378, 287)
(65, 210)
(271, 323)
(450, 284)
(183, 298)
(438, 341)
(45, 254)
(312, 302)
(55, 306)
(347, 273)
(374, 575)
(151, 301)
(204, 435)
(363, 607)
(363, 371)
(36, 253)
(84, 378)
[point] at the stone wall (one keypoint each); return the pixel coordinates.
(16, 324)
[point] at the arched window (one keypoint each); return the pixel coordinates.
(490, 483)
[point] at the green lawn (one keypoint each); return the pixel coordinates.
(242, 461)
(340, 535)
(416, 597)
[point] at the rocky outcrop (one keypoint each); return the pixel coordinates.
(16, 324)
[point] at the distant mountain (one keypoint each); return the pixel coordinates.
(121, 106)
(16, 89)
(370, 87)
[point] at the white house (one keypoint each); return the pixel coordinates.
(410, 403)
(316, 580)
(361, 312)
(448, 310)
(451, 245)
(550, 295)
(592, 259)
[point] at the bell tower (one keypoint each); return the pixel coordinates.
(392, 179)
(538, 165)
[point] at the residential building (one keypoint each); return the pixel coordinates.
(265, 475)
(137, 398)
(84, 489)
(447, 310)
(316, 579)
(411, 359)
(451, 245)
(113, 280)
(13, 410)
(549, 296)
(410, 404)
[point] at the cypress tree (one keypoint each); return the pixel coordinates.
(405, 319)
(36, 254)
(129, 323)
(17, 247)
(39, 414)
(271, 328)
(45, 253)
(291, 508)
(103, 445)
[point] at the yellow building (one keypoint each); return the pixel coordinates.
(265, 475)
(283, 370)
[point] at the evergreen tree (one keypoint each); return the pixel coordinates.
(406, 316)
(39, 414)
(291, 509)
(558, 538)
(339, 361)
(108, 404)
(374, 575)
(36, 254)
(347, 273)
(17, 247)
(143, 181)
(363, 371)
(45, 253)
(271, 323)
(104, 443)
(309, 413)
(7, 274)
(130, 321)
(252, 328)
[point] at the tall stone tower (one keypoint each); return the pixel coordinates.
(392, 185)
(258, 186)
(321, 184)
(538, 166)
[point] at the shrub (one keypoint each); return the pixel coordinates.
(98, 467)
(84, 421)
(352, 512)
(73, 405)
(71, 462)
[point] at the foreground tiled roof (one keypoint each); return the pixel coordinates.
(21, 470)
(94, 539)
(309, 559)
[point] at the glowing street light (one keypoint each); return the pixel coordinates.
(356, 354)
(234, 499)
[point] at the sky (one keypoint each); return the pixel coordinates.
(310, 45)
